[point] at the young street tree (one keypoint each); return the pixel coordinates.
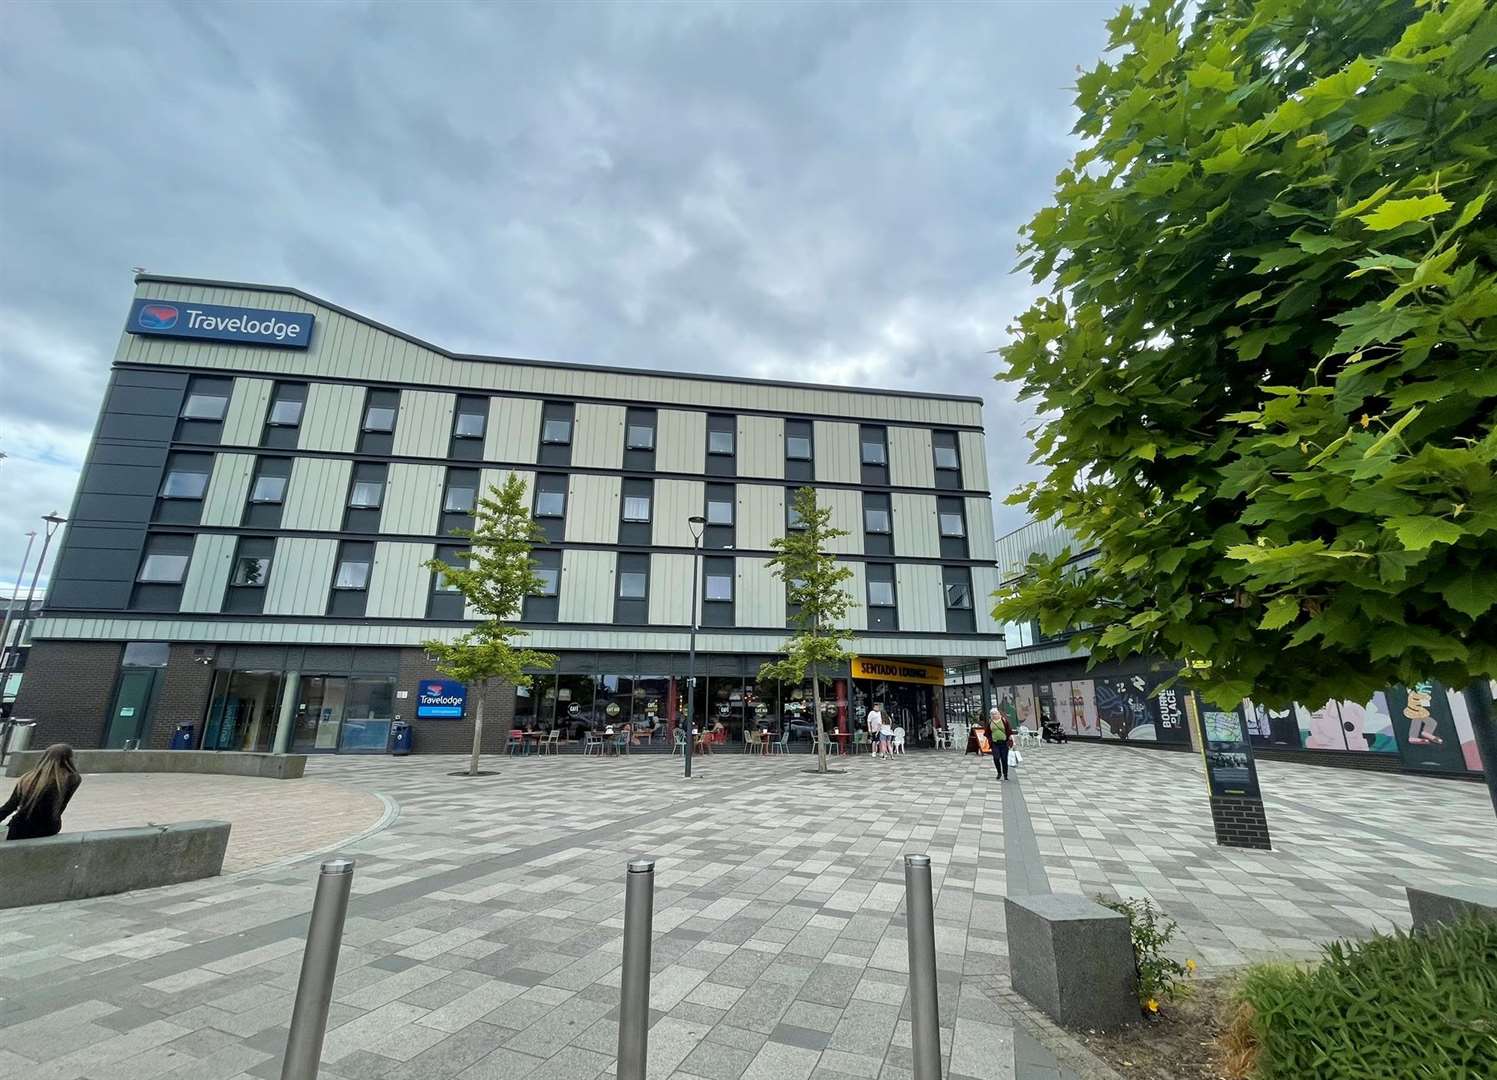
(1266, 363)
(497, 577)
(813, 587)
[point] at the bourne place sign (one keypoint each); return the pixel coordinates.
(214, 322)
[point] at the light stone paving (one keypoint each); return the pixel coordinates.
(484, 936)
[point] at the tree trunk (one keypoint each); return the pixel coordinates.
(478, 730)
(820, 728)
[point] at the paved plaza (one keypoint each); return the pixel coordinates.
(484, 938)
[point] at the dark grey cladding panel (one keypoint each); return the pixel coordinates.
(110, 452)
(68, 595)
(98, 564)
(144, 401)
(102, 478)
(113, 509)
(158, 380)
(121, 538)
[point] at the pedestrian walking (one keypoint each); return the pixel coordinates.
(42, 795)
(1001, 734)
(875, 730)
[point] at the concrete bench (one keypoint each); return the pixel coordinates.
(73, 866)
(1450, 903)
(211, 762)
(1073, 958)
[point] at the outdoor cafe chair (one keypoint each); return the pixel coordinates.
(551, 744)
(782, 744)
(591, 742)
(516, 741)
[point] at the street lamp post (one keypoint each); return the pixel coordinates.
(698, 526)
(52, 521)
(11, 607)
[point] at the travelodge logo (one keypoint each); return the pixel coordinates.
(157, 317)
(217, 322)
(440, 699)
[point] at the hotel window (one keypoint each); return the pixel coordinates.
(793, 520)
(471, 418)
(882, 613)
(366, 495)
(285, 408)
(267, 493)
(247, 581)
(636, 509)
(631, 605)
(251, 571)
(380, 418)
(184, 481)
(163, 568)
(459, 500)
(948, 459)
(717, 592)
(377, 429)
(799, 448)
(209, 402)
(953, 528)
(878, 524)
(159, 568)
(542, 605)
(956, 583)
(350, 591)
(719, 505)
(551, 505)
(470, 421)
(268, 489)
(288, 402)
(446, 603)
(722, 445)
(204, 406)
(873, 443)
(639, 439)
(720, 532)
(556, 433)
(179, 500)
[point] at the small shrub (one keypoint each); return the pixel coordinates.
(1420, 1007)
(1159, 976)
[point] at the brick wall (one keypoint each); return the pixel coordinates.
(182, 696)
(1240, 822)
(452, 736)
(68, 690)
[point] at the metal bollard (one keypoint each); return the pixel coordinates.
(920, 932)
(634, 991)
(319, 965)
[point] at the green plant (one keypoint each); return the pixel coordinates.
(1399, 1007)
(498, 573)
(814, 588)
(1159, 976)
(1266, 360)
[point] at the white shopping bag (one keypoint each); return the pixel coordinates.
(1015, 758)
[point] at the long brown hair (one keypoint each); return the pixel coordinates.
(50, 778)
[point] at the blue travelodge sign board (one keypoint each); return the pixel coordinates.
(440, 699)
(214, 322)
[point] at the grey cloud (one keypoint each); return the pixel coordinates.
(824, 192)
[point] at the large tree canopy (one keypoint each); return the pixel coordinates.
(1266, 360)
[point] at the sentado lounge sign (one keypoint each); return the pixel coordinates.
(214, 322)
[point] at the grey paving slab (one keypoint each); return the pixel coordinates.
(484, 938)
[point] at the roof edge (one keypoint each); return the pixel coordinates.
(288, 290)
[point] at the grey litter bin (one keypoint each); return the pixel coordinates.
(20, 735)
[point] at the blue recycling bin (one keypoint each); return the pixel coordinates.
(400, 738)
(182, 740)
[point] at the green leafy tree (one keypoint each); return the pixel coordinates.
(498, 575)
(1265, 364)
(814, 587)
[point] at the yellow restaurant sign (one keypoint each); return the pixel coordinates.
(897, 671)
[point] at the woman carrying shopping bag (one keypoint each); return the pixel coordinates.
(1003, 738)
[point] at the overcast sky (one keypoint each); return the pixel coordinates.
(819, 192)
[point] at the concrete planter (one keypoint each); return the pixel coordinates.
(74, 866)
(211, 762)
